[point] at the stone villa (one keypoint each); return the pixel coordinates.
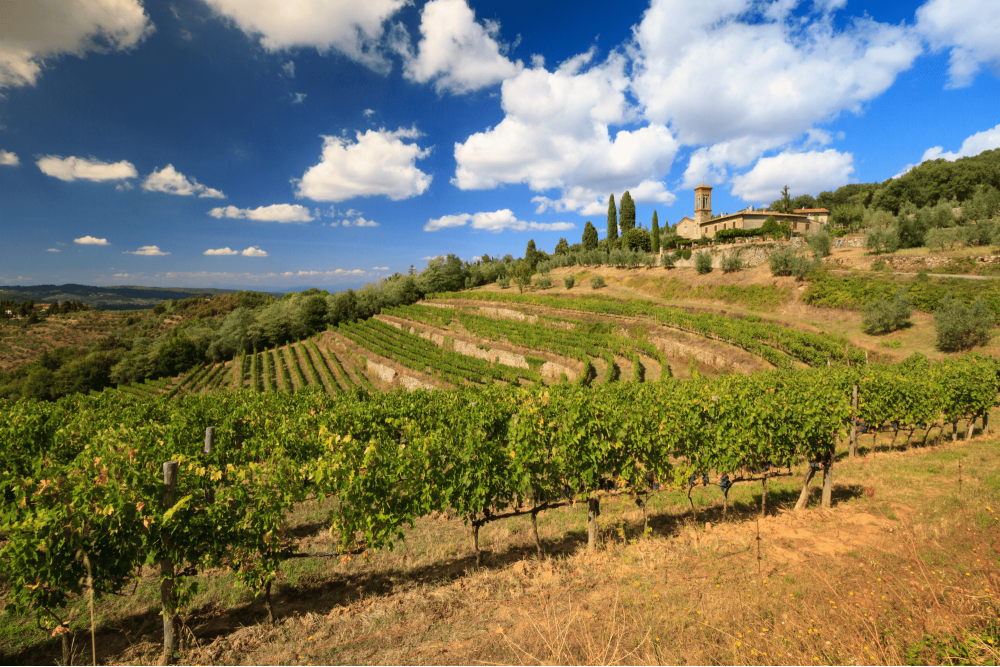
(803, 220)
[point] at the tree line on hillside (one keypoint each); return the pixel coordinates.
(32, 313)
(216, 329)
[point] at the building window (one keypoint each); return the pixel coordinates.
(795, 225)
(807, 226)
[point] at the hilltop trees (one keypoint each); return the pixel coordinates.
(612, 222)
(589, 237)
(627, 217)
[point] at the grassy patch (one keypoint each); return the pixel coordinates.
(853, 291)
(755, 297)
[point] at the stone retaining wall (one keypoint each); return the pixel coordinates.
(507, 314)
(384, 373)
(753, 254)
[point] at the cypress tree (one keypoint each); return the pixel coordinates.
(655, 234)
(531, 254)
(627, 213)
(612, 222)
(589, 236)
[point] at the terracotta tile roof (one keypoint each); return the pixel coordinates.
(813, 210)
(703, 187)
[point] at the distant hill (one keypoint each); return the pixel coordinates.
(127, 297)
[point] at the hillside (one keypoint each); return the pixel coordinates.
(126, 297)
(612, 465)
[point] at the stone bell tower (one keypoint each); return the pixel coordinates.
(702, 203)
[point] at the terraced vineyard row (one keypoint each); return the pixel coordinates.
(582, 340)
(771, 341)
(420, 355)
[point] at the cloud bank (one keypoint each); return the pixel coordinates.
(32, 33)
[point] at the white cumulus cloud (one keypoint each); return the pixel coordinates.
(810, 171)
(254, 251)
(380, 268)
(171, 181)
(969, 28)
(148, 251)
(352, 28)
(221, 251)
(73, 168)
(272, 213)
(377, 163)
(8, 159)
(33, 32)
(738, 69)
(494, 221)
(53, 250)
(974, 145)
(456, 52)
(90, 240)
(555, 135)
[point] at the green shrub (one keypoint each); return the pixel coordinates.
(729, 234)
(937, 239)
(820, 244)
(503, 282)
(789, 263)
(686, 253)
(569, 281)
(667, 261)
(597, 282)
(960, 326)
(732, 263)
(543, 282)
(843, 231)
(879, 240)
(703, 262)
(882, 315)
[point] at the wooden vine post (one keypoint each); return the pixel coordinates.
(534, 528)
(854, 422)
(167, 598)
(209, 444)
(593, 511)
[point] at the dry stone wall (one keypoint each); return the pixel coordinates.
(384, 373)
(753, 254)
(507, 314)
(674, 347)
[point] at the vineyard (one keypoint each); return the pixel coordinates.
(83, 478)
(568, 407)
(581, 340)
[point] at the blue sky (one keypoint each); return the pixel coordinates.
(290, 143)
